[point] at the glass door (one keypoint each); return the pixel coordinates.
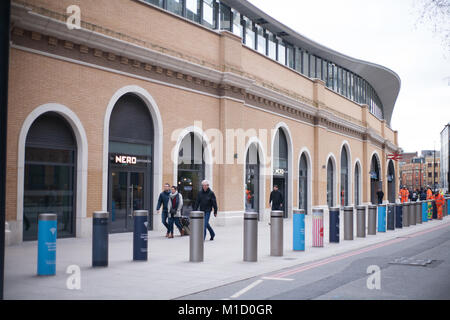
(127, 195)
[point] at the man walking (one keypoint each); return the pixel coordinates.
(276, 199)
(380, 195)
(164, 201)
(206, 201)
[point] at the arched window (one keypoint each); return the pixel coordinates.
(303, 184)
(391, 182)
(50, 166)
(131, 141)
(344, 194)
(330, 183)
(374, 180)
(191, 169)
(280, 166)
(357, 184)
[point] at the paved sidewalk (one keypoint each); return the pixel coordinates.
(168, 274)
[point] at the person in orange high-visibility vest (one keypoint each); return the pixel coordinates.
(404, 194)
(440, 201)
(429, 194)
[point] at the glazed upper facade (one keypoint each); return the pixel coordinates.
(257, 33)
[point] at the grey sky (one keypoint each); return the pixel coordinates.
(383, 32)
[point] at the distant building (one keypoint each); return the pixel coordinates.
(445, 158)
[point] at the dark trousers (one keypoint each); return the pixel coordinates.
(164, 220)
(207, 226)
(173, 220)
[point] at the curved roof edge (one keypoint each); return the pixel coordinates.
(385, 82)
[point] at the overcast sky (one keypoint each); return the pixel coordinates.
(384, 32)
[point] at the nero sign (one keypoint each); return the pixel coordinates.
(126, 160)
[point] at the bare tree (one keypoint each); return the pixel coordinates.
(436, 15)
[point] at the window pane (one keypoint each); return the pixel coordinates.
(237, 26)
(175, 6)
(158, 3)
(281, 52)
(324, 70)
(261, 41)
(312, 66)
(272, 47)
(225, 17)
(249, 33)
(298, 60)
(193, 10)
(208, 13)
(335, 78)
(290, 56)
(305, 69)
(319, 68)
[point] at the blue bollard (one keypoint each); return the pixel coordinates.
(334, 225)
(47, 232)
(424, 211)
(398, 216)
(299, 230)
(140, 235)
(382, 218)
(448, 206)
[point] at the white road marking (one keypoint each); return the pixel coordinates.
(279, 279)
(240, 293)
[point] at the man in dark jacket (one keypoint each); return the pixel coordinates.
(164, 201)
(206, 201)
(380, 195)
(276, 199)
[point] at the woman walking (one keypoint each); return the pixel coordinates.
(174, 208)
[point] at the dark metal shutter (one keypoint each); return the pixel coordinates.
(131, 120)
(51, 130)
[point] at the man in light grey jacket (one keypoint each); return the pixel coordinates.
(174, 207)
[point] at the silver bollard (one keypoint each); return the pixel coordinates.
(406, 208)
(361, 221)
(196, 239)
(372, 223)
(419, 212)
(348, 223)
(276, 233)
(250, 236)
(412, 214)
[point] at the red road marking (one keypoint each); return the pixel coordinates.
(353, 253)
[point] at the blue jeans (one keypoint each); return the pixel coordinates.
(175, 220)
(207, 226)
(164, 220)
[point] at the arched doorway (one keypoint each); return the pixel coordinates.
(344, 192)
(303, 191)
(252, 179)
(375, 182)
(191, 169)
(49, 175)
(131, 144)
(357, 184)
(280, 167)
(330, 183)
(391, 182)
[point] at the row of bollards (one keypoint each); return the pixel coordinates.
(386, 217)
